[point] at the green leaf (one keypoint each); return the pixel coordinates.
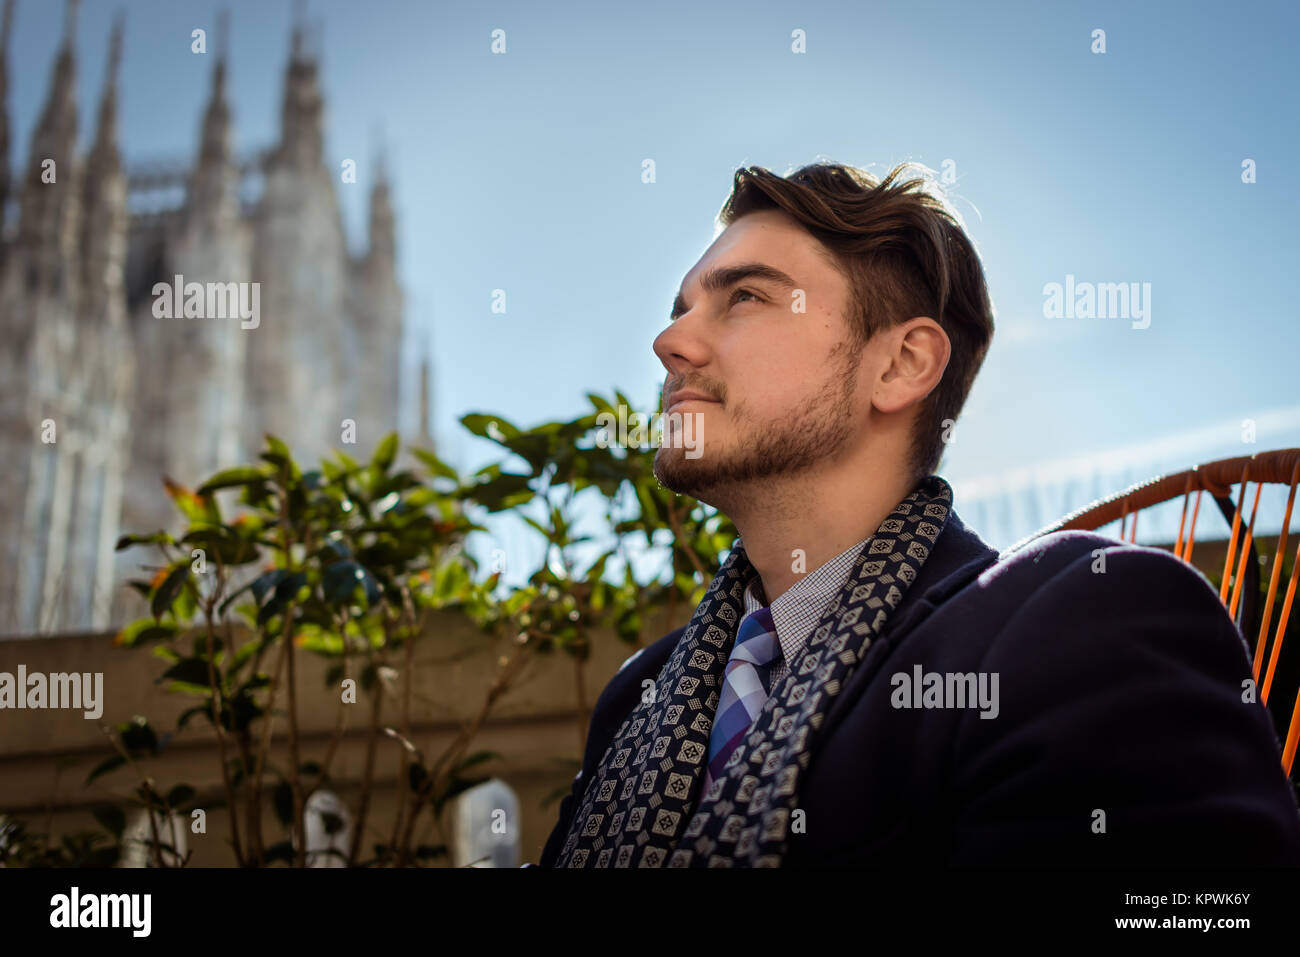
(539, 526)
(165, 594)
(385, 452)
(200, 645)
(157, 538)
(186, 606)
(203, 709)
(276, 446)
(502, 491)
(243, 711)
(456, 787)
(436, 465)
(167, 654)
(223, 544)
(601, 404)
(477, 757)
(112, 819)
(264, 583)
(285, 590)
(230, 599)
(649, 508)
(629, 625)
(277, 453)
(197, 508)
(450, 582)
(108, 764)
(319, 641)
(190, 670)
(533, 447)
(341, 580)
(145, 630)
(242, 654)
(232, 478)
(138, 737)
(492, 427)
(335, 549)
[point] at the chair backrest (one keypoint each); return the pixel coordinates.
(1239, 589)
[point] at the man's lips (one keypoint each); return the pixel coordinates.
(687, 395)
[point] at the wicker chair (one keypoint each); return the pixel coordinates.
(1239, 590)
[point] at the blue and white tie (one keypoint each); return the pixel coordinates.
(744, 688)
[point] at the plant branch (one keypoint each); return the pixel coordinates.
(233, 808)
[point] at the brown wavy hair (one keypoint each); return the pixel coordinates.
(904, 253)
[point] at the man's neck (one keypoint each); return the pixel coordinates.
(796, 526)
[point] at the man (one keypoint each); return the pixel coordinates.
(866, 682)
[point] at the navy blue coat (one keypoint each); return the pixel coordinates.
(1119, 692)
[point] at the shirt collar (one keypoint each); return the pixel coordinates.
(796, 612)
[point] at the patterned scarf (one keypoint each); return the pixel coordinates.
(643, 806)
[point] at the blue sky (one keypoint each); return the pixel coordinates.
(522, 171)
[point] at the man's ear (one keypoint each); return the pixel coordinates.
(916, 355)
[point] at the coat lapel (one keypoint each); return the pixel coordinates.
(958, 557)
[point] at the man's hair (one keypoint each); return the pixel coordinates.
(904, 253)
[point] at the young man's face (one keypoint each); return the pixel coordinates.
(784, 383)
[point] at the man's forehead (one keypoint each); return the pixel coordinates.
(769, 237)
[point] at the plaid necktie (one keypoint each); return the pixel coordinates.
(744, 689)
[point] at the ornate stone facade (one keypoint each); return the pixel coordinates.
(100, 396)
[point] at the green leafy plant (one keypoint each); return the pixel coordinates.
(347, 561)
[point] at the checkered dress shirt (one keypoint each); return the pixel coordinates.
(797, 611)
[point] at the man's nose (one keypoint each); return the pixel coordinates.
(680, 347)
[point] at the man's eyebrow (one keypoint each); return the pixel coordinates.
(723, 277)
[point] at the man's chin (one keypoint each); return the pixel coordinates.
(677, 473)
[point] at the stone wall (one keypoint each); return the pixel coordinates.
(46, 755)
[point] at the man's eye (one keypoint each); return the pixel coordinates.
(744, 292)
